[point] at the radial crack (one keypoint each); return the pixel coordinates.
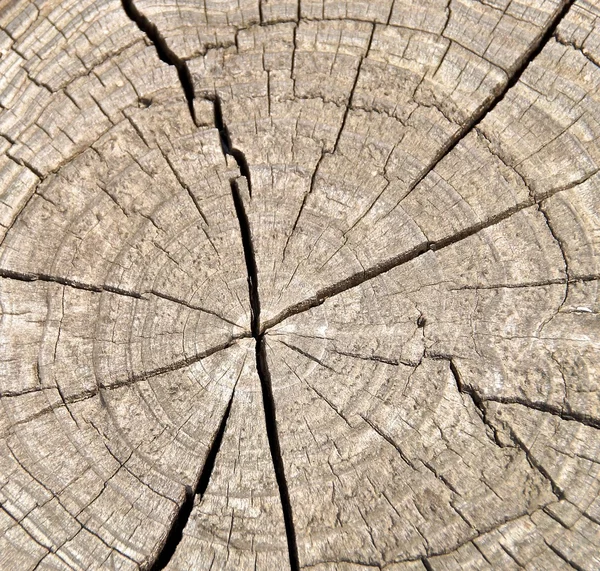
(165, 53)
(352, 91)
(249, 257)
(367, 274)
(308, 356)
(174, 366)
(176, 532)
(226, 145)
(488, 106)
(325, 153)
(264, 375)
(192, 306)
(33, 277)
(560, 554)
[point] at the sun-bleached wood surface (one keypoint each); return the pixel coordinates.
(299, 285)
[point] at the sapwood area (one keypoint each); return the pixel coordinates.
(299, 285)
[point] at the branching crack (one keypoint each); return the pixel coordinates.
(477, 401)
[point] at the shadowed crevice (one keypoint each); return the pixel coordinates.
(180, 522)
(273, 437)
(264, 375)
(226, 144)
(211, 458)
(564, 414)
(175, 533)
(249, 257)
(165, 53)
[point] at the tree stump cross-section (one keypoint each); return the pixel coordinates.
(299, 285)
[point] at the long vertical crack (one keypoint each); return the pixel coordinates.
(250, 259)
(175, 535)
(264, 375)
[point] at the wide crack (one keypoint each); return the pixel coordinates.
(175, 535)
(176, 532)
(264, 375)
(226, 145)
(164, 52)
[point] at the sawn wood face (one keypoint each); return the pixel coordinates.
(305, 285)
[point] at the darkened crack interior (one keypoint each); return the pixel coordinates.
(165, 53)
(264, 375)
(176, 532)
(226, 145)
(183, 515)
(259, 330)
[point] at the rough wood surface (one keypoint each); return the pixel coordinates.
(299, 285)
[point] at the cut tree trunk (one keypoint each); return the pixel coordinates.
(307, 285)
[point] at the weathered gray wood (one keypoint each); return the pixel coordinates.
(299, 284)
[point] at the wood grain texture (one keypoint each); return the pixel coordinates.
(299, 285)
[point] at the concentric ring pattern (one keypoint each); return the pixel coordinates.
(305, 285)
